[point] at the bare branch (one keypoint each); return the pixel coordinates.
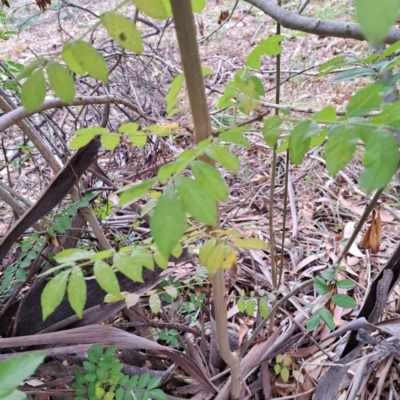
(19, 113)
(320, 27)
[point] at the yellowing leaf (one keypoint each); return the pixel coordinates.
(131, 299)
(155, 303)
(171, 290)
(250, 244)
(206, 250)
(230, 260)
(216, 259)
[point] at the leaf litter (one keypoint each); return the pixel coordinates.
(319, 221)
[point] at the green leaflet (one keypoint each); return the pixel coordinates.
(131, 194)
(71, 255)
(143, 257)
(82, 57)
(61, 82)
(326, 316)
(365, 100)
(299, 140)
(269, 47)
(223, 156)
(197, 201)
(168, 222)
(381, 159)
(106, 278)
(33, 91)
(271, 130)
(172, 98)
(77, 291)
(155, 8)
(211, 180)
(110, 141)
(15, 370)
(127, 265)
(339, 150)
(53, 293)
(376, 18)
(343, 300)
(123, 31)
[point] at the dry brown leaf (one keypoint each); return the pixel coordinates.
(372, 238)
(223, 16)
(201, 27)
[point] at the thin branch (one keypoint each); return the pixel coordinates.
(19, 113)
(316, 26)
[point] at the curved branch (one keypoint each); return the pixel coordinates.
(19, 113)
(320, 27)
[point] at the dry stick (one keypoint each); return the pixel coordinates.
(360, 224)
(275, 283)
(19, 113)
(285, 198)
(186, 33)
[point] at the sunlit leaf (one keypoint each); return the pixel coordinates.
(154, 8)
(327, 114)
(81, 141)
(241, 304)
(216, 258)
(269, 47)
(250, 306)
(271, 130)
(71, 255)
(110, 141)
(27, 71)
(206, 250)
